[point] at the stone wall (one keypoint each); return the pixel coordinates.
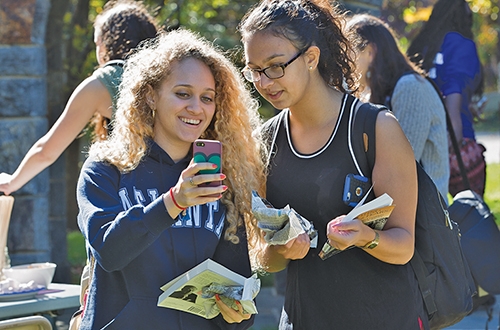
(23, 120)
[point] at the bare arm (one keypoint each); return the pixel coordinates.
(453, 104)
(394, 173)
(90, 96)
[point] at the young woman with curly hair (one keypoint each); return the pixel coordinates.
(118, 29)
(145, 218)
(299, 60)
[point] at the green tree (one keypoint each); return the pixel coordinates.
(214, 19)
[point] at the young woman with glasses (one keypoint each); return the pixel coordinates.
(388, 77)
(300, 61)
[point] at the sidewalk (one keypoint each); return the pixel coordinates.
(269, 304)
(491, 141)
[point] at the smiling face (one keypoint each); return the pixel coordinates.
(185, 106)
(263, 50)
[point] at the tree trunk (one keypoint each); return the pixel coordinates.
(75, 60)
(56, 81)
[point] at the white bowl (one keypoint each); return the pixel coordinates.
(41, 273)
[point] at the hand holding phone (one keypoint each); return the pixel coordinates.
(208, 151)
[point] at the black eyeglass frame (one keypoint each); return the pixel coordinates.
(263, 71)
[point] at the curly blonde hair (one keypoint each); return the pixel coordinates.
(234, 124)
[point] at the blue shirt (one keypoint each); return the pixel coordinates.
(457, 69)
(138, 247)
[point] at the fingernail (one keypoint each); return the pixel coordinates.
(224, 188)
(217, 297)
(222, 176)
(214, 166)
(238, 303)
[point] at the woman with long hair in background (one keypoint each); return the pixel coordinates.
(389, 78)
(445, 49)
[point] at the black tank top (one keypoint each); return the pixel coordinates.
(350, 290)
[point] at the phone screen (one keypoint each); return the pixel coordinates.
(208, 151)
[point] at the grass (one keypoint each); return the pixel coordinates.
(76, 243)
(490, 119)
(492, 190)
(489, 122)
(77, 255)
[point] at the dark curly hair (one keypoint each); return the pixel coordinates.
(447, 16)
(306, 23)
(389, 63)
(122, 25)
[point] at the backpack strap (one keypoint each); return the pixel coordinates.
(452, 135)
(270, 132)
(364, 127)
(420, 271)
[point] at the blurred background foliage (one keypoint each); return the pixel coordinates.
(407, 17)
(217, 20)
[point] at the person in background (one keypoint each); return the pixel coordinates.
(446, 50)
(144, 216)
(389, 78)
(118, 29)
(300, 60)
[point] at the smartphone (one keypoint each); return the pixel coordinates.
(208, 151)
(355, 188)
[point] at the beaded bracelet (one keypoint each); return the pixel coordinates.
(175, 202)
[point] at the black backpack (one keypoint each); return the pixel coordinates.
(443, 275)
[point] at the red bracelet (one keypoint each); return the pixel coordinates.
(173, 200)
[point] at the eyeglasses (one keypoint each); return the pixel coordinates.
(272, 72)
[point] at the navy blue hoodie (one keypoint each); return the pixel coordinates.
(138, 247)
